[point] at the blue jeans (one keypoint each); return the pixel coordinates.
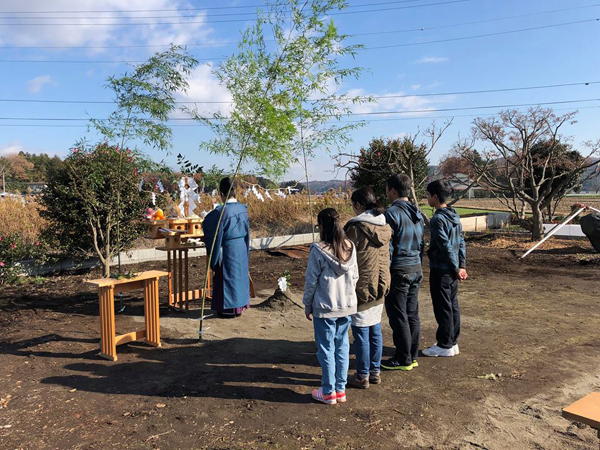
(333, 349)
(368, 347)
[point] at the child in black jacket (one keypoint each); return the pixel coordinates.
(447, 262)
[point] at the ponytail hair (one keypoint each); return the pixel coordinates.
(365, 197)
(332, 233)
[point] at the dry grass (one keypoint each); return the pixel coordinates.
(21, 218)
(521, 243)
(291, 215)
(270, 218)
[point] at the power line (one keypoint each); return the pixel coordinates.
(218, 44)
(391, 119)
(179, 16)
(180, 9)
(81, 61)
(483, 35)
(438, 94)
(224, 20)
(478, 22)
(411, 44)
(477, 107)
(416, 111)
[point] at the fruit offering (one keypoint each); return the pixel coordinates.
(150, 214)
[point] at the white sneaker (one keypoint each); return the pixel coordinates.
(456, 350)
(434, 350)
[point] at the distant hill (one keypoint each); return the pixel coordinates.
(593, 184)
(319, 187)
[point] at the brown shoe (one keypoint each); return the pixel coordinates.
(375, 378)
(359, 382)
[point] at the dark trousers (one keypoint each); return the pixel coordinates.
(444, 294)
(402, 307)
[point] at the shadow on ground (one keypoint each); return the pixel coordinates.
(236, 368)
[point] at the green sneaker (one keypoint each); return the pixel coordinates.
(392, 364)
(415, 363)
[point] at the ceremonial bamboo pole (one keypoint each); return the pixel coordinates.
(553, 231)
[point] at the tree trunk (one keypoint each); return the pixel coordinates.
(106, 271)
(537, 231)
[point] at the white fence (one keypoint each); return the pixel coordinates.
(475, 223)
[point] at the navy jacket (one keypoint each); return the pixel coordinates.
(407, 244)
(447, 250)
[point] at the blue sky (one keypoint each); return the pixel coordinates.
(546, 56)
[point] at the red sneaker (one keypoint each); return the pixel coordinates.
(341, 397)
(328, 399)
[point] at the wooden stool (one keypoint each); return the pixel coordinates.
(585, 410)
(107, 287)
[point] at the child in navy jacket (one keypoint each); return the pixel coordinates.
(447, 262)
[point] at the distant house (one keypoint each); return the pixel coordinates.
(462, 182)
(37, 187)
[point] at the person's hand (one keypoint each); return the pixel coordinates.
(308, 316)
(462, 274)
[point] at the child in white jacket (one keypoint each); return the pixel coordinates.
(330, 297)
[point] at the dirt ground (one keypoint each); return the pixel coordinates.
(534, 324)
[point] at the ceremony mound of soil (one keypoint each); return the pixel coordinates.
(281, 301)
(529, 346)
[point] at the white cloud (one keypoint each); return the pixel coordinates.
(415, 87)
(11, 148)
(397, 102)
(81, 29)
(399, 135)
(431, 60)
(204, 87)
(35, 85)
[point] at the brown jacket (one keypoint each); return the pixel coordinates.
(371, 236)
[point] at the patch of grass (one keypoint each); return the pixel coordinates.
(428, 210)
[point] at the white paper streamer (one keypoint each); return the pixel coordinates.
(141, 184)
(257, 194)
(282, 283)
(153, 199)
(188, 195)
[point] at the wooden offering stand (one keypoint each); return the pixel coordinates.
(107, 287)
(176, 233)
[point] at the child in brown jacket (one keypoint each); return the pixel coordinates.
(371, 236)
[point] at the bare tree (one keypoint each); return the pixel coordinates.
(515, 168)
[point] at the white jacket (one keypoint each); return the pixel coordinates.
(330, 287)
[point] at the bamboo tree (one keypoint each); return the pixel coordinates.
(145, 99)
(276, 90)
